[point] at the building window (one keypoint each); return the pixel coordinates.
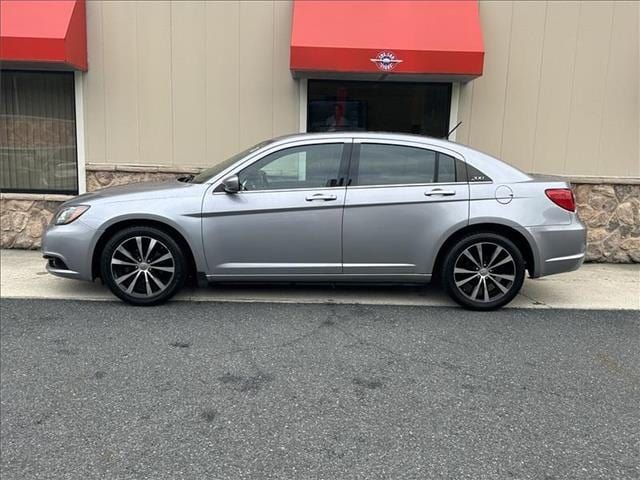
(38, 151)
(404, 107)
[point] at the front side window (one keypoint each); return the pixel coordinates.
(38, 132)
(210, 172)
(309, 166)
(401, 165)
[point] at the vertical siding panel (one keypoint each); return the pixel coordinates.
(556, 80)
(120, 76)
(285, 89)
(223, 94)
(594, 35)
(521, 101)
(188, 74)
(489, 90)
(619, 153)
(94, 87)
(256, 71)
(154, 82)
(464, 112)
(215, 76)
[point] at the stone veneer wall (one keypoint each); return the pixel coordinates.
(612, 216)
(23, 217)
(611, 212)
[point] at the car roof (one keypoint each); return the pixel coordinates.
(370, 135)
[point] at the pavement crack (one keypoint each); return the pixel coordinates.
(456, 370)
(533, 300)
(288, 343)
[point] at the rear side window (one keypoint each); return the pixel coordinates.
(401, 165)
(475, 175)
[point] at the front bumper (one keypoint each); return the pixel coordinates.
(561, 248)
(68, 249)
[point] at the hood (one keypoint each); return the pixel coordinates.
(137, 191)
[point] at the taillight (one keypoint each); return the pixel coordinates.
(563, 197)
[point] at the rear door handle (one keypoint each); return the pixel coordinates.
(440, 191)
(321, 197)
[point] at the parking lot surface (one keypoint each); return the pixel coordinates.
(260, 390)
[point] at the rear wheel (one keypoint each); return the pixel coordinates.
(483, 271)
(143, 266)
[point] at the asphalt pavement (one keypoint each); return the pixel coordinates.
(316, 391)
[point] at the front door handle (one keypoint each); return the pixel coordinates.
(440, 191)
(321, 197)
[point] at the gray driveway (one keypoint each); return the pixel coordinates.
(222, 390)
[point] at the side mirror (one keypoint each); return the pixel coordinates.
(231, 184)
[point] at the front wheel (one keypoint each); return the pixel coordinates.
(143, 265)
(483, 271)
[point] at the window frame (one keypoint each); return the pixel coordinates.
(78, 135)
(254, 158)
(461, 176)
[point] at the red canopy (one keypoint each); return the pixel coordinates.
(49, 32)
(434, 38)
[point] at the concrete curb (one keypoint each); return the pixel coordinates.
(594, 286)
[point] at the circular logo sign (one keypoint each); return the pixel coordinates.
(386, 61)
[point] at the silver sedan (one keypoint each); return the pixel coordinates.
(337, 207)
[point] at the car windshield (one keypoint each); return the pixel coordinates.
(211, 172)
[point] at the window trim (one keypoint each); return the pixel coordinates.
(81, 152)
(352, 182)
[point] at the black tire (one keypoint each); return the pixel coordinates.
(471, 283)
(155, 279)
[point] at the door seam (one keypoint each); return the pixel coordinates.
(344, 203)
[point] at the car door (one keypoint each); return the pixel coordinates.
(403, 199)
(286, 220)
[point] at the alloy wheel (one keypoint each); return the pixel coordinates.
(484, 272)
(142, 266)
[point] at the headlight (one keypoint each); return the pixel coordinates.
(69, 214)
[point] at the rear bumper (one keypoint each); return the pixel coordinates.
(561, 248)
(562, 264)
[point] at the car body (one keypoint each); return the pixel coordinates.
(333, 207)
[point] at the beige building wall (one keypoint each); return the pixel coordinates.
(188, 83)
(560, 89)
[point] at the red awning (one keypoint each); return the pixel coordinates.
(44, 32)
(424, 38)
